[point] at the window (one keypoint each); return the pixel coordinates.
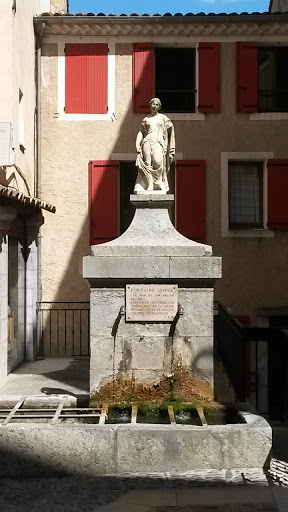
(170, 74)
(175, 83)
(245, 194)
(262, 78)
(86, 81)
(273, 79)
(110, 180)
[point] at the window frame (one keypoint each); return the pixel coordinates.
(269, 116)
(273, 49)
(193, 91)
(182, 116)
(61, 114)
(245, 163)
(252, 232)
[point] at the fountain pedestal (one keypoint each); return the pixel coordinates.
(150, 348)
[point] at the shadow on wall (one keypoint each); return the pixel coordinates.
(72, 281)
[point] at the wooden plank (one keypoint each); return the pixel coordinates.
(58, 410)
(201, 415)
(103, 415)
(134, 413)
(171, 414)
(11, 414)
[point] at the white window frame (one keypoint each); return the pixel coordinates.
(62, 116)
(249, 232)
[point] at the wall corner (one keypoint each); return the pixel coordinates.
(61, 6)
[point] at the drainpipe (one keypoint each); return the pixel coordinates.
(38, 114)
(37, 181)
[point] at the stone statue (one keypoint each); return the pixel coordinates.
(155, 146)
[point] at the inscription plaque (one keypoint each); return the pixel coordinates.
(151, 302)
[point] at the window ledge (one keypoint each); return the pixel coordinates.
(191, 116)
(249, 233)
(85, 117)
(269, 116)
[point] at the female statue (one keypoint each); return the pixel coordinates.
(155, 146)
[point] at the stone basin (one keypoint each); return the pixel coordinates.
(41, 449)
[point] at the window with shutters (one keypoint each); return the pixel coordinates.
(273, 79)
(86, 81)
(111, 182)
(262, 80)
(186, 79)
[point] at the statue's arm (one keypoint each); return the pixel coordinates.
(139, 140)
(171, 143)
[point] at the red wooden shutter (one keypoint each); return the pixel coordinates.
(143, 76)
(86, 78)
(103, 200)
(247, 77)
(209, 77)
(277, 194)
(191, 199)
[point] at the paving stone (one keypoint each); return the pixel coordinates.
(248, 507)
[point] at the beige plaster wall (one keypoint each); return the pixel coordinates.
(17, 71)
(254, 269)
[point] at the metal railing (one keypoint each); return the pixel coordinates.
(63, 328)
(241, 350)
(273, 100)
(231, 347)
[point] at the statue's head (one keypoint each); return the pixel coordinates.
(155, 104)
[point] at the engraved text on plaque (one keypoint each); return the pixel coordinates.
(151, 302)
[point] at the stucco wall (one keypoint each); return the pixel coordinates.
(17, 71)
(254, 269)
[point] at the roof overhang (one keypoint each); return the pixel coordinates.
(18, 197)
(199, 24)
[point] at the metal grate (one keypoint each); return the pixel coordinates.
(53, 416)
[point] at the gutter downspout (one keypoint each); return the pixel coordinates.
(37, 181)
(38, 114)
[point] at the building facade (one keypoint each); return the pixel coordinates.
(223, 82)
(229, 127)
(20, 204)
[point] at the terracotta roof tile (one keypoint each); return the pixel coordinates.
(134, 14)
(30, 201)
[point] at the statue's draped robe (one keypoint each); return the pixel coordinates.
(156, 130)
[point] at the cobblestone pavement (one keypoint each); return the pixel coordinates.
(208, 491)
(246, 490)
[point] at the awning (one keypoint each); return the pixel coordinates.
(14, 195)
